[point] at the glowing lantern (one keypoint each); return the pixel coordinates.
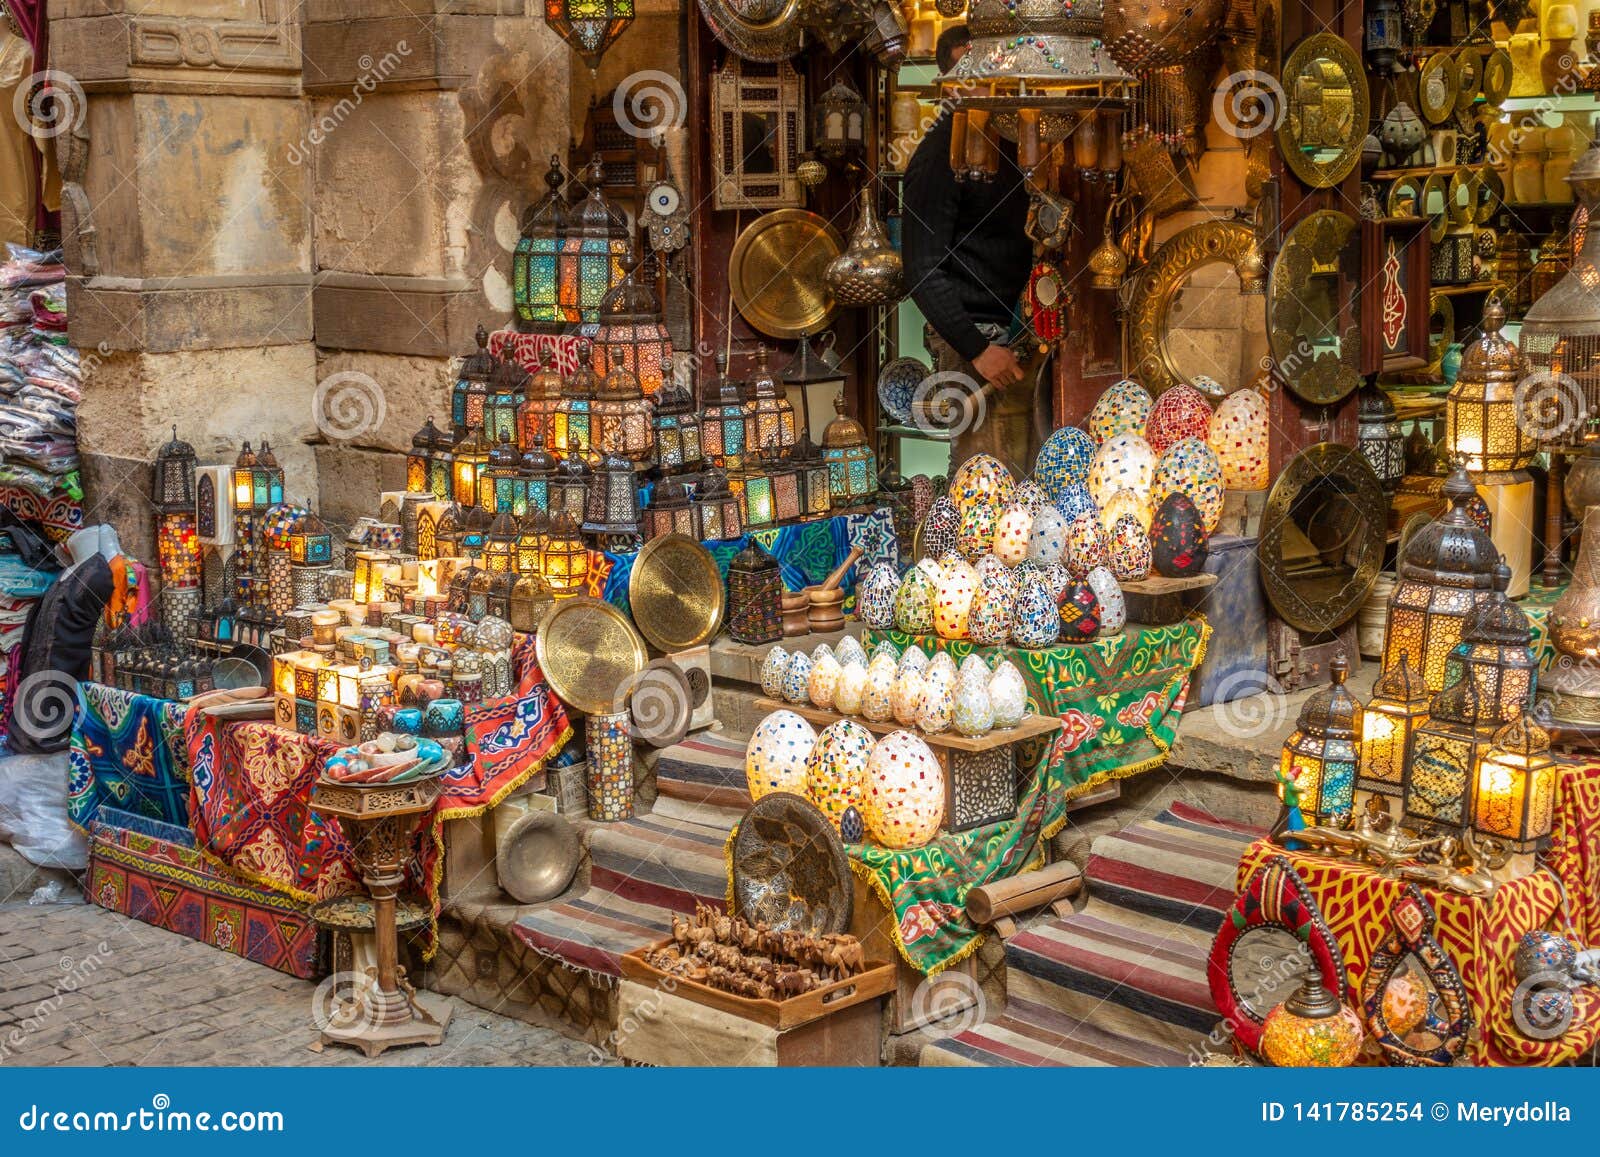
(571, 423)
(1181, 412)
(535, 289)
(1238, 434)
(631, 336)
(1317, 770)
(566, 559)
(592, 251)
(1399, 706)
(1514, 795)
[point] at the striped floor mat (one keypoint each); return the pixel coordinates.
(1123, 982)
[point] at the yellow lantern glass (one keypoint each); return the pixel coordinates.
(244, 479)
(566, 559)
(621, 419)
(306, 666)
(1481, 409)
(571, 424)
(1399, 705)
(471, 456)
(1444, 760)
(367, 583)
(769, 415)
(1514, 796)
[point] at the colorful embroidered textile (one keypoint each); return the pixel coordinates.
(128, 753)
(1536, 605)
(527, 348)
(1480, 935)
(152, 872)
(60, 513)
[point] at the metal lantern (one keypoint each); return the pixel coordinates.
(1317, 770)
(784, 474)
(178, 547)
(592, 252)
(676, 427)
(722, 425)
(901, 501)
(310, 542)
(500, 479)
(755, 491)
(631, 335)
(1481, 412)
(589, 26)
(852, 467)
(1493, 654)
(755, 596)
(839, 127)
(571, 424)
(565, 565)
(535, 285)
(613, 506)
(816, 487)
(1444, 759)
(668, 512)
(716, 509)
(471, 391)
(461, 584)
(569, 489)
(474, 524)
(531, 538)
(471, 456)
(1447, 568)
(244, 475)
(1513, 799)
(769, 416)
(508, 388)
(1384, 35)
(419, 463)
(1399, 705)
(1313, 1028)
(530, 601)
(268, 477)
(538, 470)
(500, 544)
(535, 420)
(500, 603)
(174, 483)
(622, 418)
(447, 532)
(1380, 436)
(367, 583)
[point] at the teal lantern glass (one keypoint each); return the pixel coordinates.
(535, 289)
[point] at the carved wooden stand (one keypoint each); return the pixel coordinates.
(378, 821)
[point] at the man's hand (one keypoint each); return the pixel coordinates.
(999, 365)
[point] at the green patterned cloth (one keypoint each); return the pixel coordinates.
(1536, 605)
(1119, 701)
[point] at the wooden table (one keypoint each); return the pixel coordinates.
(1159, 602)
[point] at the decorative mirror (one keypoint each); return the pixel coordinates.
(1261, 951)
(1405, 197)
(1326, 109)
(1435, 205)
(1488, 191)
(1311, 323)
(1194, 309)
(1441, 331)
(1436, 88)
(1463, 196)
(757, 135)
(1469, 77)
(1497, 77)
(1322, 537)
(1412, 996)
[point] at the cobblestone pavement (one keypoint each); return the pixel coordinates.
(83, 986)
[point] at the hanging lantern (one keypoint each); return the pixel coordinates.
(471, 456)
(569, 489)
(508, 389)
(1493, 654)
(1384, 35)
(244, 476)
(531, 538)
(716, 511)
(631, 335)
(1399, 705)
(840, 123)
(178, 546)
(677, 430)
(622, 418)
(592, 251)
(500, 544)
(471, 391)
(366, 585)
(174, 485)
(613, 505)
(535, 419)
(535, 290)
(1381, 437)
(668, 512)
(571, 422)
(500, 479)
(310, 542)
(769, 417)
(529, 603)
(816, 488)
(566, 559)
(1481, 414)
(755, 596)
(852, 467)
(589, 26)
(538, 470)
(722, 425)
(1447, 567)
(1444, 759)
(419, 463)
(1514, 796)
(1312, 1029)
(1317, 771)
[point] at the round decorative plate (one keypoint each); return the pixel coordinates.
(775, 272)
(897, 384)
(1497, 76)
(1469, 77)
(589, 653)
(676, 593)
(762, 30)
(789, 867)
(1434, 204)
(1436, 88)
(1405, 198)
(537, 857)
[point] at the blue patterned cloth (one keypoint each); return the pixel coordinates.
(127, 754)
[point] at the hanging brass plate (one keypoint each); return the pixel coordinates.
(1436, 88)
(589, 654)
(775, 273)
(1497, 77)
(675, 591)
(1311, 326)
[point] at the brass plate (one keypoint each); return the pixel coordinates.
(1302, 84)
(742, 30)
(789, 867)
(1436, 88)
(775, 273)
(1323, 536)
(676, 594)
(589, 653)
(1469, 77)
(1438, 222)
(1497, 77)
(1399, 192)
(1323, 244)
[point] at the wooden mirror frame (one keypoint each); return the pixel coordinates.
(1326, 174)
(1321, 240)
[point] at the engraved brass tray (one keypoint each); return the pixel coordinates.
(789, 868)
(676, 594)
(776, 272)
(589, 653)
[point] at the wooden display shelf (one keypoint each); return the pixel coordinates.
(1160, 602)
(1473, 287)
(1031, 727)
(1423, 171)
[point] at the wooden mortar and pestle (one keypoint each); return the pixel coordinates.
(827, 600)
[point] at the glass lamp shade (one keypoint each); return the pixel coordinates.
(1481, 419)
(1494, 654)
(268, 477)
(1317, 770)
(447, 532)
(471, 391)
(530, 601)
(569, 489)
(543, 394)
(722, 425)
(1444, 758)
(622, 417)
(755, 596)
(1399, 705)
(717, 513)
(244, 486)
(852, 467)
(178, 545)
(500, 480)
(474, 523)
(1312, 1029)
(508, 389)
(571, 424)
(589, 26)
(677, 430)
(535, 291)
(840, 122)
(424, 443)
(669, 511)
(757, 497)
(441, 469)
(592, 251)
(566, 559)
(1381, 437)
(310, 542)
(500, 545)
(367, 584)
(538, 470)
(631, 336)
(1513, 799)
(613, 502)
(471, 456)
(816, 485)
(1384, 35)
(174, 481)
(531, 538)
(769, 415)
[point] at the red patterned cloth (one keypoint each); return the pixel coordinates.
(527, 348)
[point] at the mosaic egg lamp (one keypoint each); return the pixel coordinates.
(936, 709)
(913, 602)
(1074, 501)
(1008, 695)
(1128, 550)
(877, 698)
(1012, 534)
(1181, 412)
(1108, 593)
(1238, 435)
(851, 689)
(1086, 546)
(797, 678)
(1178, 537)
(775, 758)
(1191, 467)
(875, 597)
(773, 669)
(1312, 1029)
(824, 681)
(1064, 461)
(1048, 537)
(1126, 502)
(836, 769)
(907, 696)
(1035, 622)
(903, 800)
(939, 528)
(1125, 462)
(1122, 409)
(982, 480)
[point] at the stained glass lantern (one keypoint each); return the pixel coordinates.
(1513, 799)
(1447, 568)
(755, 491)
(174, 484)
(461, 584)
(592, 251)
(447, 532)
(722, 426)
(1380, 436)
(716, 509)
(589, 26)
(366, 585)
(840, 124)
(500, 480)
(571, 422)
(442, 467)
(1494, 655)
(500, 598)
(500, 544)
(622, 418)
(244, 481)
(1312, 1029)
(755, 596)
(471, 391)
(613, 503)
(668, 512)
(569, 489)
(471, 456)
(1481, 412)
(769, 416)
(1444, 759)
(531, 538)
(178, 545)
(535, 291)
(535, 420)
(419, 463)
(901, 501)
(268, 477)
(538, 471)
(310, 542)
(566, 559)
(852, 467)
(508, 389)
(1399, 705)
(631, 335)
(786, 498)
(474, 524)
(1317, 770)
(530, 601)
(816, 487)
(677, 430)
(1385, 35)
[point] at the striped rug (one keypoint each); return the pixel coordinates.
(1123, 982)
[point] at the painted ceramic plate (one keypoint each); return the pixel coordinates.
(897, 383)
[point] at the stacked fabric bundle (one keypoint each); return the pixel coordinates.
(40, 381)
